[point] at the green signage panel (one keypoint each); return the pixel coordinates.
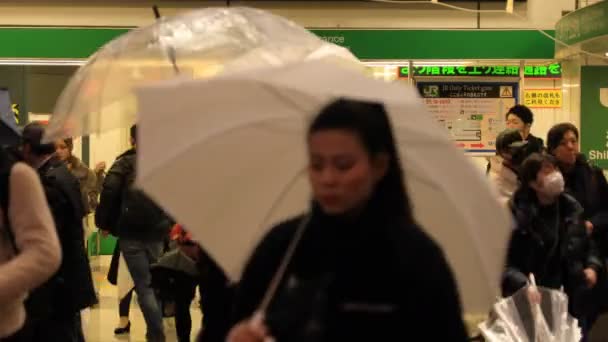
(594, 114)
(45, 42)
(536, 71)
(583, 24)
(443, 44)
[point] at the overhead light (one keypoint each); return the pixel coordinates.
(606, 54)
(42, 61)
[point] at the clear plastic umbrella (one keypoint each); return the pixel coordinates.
(518, 319)
(198, 44)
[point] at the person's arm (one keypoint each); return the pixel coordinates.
(108, 210)
(438, 295)
(514, 276)
(259, 272)
(39, 252)
(600, 219)
(91, 190)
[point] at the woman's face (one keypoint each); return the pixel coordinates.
(515, 122)
(341, 172)
(568, 149)
(62, 150)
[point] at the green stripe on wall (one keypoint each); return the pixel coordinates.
(39, 42)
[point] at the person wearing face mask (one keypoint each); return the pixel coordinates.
(549, 240)
(521, 118)
(588, 185)
(511, 150)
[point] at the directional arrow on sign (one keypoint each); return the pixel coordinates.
(477, 145)
(460, 145)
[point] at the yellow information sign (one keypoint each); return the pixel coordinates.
(543, 98)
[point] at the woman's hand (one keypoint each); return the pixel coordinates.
(590, 277)
(251, 330)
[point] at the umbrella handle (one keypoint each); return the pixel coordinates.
(280, 273)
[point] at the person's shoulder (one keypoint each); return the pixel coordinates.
(284, 230)
(570, 204)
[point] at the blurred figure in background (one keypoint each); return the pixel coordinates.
(521, 118)
(141, 226)
(119, 275)
(511, 150)
(88, 179)
(71, 290)
(549, 240)
(588, 185)
(363, 270)
(29, 248)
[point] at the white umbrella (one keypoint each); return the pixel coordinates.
(229, 162)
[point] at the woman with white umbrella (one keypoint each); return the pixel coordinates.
(362, 270)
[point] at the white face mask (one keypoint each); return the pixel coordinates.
(553, 184)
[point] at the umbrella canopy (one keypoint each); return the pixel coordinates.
(517, 319)
(197, 44)
(232, 162)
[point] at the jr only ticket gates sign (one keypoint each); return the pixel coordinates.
(472, 113)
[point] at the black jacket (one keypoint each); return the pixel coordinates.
(553, 265)
(535, 144)
(588, 185)
(72, 286)
(375, 280)
(125, 211)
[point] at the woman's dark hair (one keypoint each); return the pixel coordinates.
(528, 171)
(69, 143)
(133, 132)
(32, 135)
(522, 112)
(556, 134)
(370, 122)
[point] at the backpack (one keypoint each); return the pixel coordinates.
(138, 211)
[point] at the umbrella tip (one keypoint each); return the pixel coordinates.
(156, 12)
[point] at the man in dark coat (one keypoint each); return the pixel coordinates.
(54, 309)
(521, 118)
(588, 185)
(142, 228)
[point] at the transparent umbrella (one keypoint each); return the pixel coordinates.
(517, 319)
(198, 44)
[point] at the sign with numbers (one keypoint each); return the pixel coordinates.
(472, 113)
(543, 98)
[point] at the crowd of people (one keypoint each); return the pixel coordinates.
(560, 205)
(355, 255)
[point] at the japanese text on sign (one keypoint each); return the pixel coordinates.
(543, 98)
(536, 71)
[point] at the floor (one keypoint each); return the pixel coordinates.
(99, 322)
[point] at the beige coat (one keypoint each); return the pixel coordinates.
(39, 254)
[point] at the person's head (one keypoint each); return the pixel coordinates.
(506, 143)
(64, 148)
(33, 149)
(521, 118)
(133, 135)
(539, 172)
(562, 142)
(353, 159)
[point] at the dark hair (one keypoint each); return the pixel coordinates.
(556, 135)
(522, 112)
(133, 132)
(32, 135)
(528, 171)
(370, 122)
(506, 138)
(69, 143)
